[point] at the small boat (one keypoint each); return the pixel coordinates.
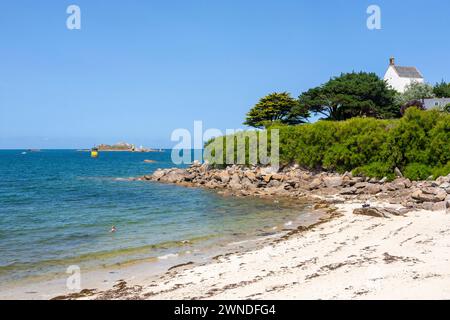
(94, 153)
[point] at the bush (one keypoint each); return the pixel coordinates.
(447, 108)
(441, 171)
(417, 171)
(375, 169)
(418, 143)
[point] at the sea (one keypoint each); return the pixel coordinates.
(57, 208)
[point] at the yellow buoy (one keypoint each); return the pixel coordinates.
(94, 152)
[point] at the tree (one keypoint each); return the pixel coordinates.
(447, 108)
(415, 91)
(276, 108)
(351, 95)
(442, 90)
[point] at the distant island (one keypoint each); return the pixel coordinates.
(123, 146)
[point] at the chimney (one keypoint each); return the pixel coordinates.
(392, 61)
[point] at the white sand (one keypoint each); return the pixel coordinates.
(350, 257)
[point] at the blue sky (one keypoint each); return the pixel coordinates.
(139, 69)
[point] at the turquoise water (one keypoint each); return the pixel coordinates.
(57, 207)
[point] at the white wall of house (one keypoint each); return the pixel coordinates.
(398, 83)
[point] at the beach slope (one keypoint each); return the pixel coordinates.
(349, 257)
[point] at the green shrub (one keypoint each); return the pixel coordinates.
(447, 107)
(417, 171)
(418, 143)
(375, 169)
(442, 171)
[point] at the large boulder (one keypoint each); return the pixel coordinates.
(398, 173)
(429, 194)
(315, 184)
(333, 182)
(174, 176)
(158, 174)
(372, 189)
(269, 170)
(235, 182)
(224, 176)
(445, 186)
(205, 167)
(370, 211)
(250, 175)
(442, 180)
(248, 184)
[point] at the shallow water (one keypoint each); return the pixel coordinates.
(57, 207)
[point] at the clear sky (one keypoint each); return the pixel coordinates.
(138, 69)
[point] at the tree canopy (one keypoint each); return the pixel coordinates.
(351, 95)
(442, 90)
(276, 108)
(416, 91)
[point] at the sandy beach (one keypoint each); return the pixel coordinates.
(348, 257)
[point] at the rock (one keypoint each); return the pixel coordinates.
(442, 180)
(372, 212)
(247, 183)
(269, 170)
(348, 191)
(195, 164)
(149, 161)
(360, 185)
(274, 183)
(429, 194)
(174, 176)
(250, 175)
(267, 178)
(235, 182)
(347, 174)
(441, 206)
(278, 177)
(445, 186)
(333, 182)
(372, 189)
(191, 177)
(384, 180)
(205, 167)
(158, 174)
(224, 177)
(398, 173)
(315, 184)
(399, 184)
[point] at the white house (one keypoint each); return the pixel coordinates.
(399, 77)
(438, 103)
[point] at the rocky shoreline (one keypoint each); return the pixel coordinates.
(295, 182)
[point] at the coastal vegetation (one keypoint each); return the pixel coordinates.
(355, 94)
(351, 95)
(418, 144)
(442, 90)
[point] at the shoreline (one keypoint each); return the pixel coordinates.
(348, 256)
(104, 278)
(379, 240)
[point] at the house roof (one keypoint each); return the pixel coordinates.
(408, 72)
